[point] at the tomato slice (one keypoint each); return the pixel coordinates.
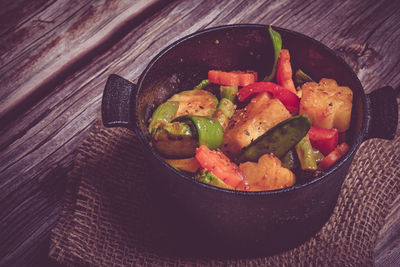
(334, 156)
(325, 140)
(219, 165)
(233, 78)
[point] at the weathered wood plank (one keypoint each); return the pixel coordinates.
(52, 40)
(38, 146)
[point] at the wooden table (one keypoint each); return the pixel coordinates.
(56, 55)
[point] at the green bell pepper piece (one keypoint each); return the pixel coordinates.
(209, 130)
(305, 154)
(277, 44)
(224, 112)
(163, 114)
(301, 77)
(228, 92)
(318, 156)
(202, 85)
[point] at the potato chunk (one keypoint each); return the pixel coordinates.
(327, 104)
(261, 114)
(267, 174)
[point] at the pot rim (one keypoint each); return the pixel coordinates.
(318, 179)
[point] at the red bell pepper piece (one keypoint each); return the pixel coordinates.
(219, 165)
(334, 156)
(325, 140)
(289, 99)
(284, 72)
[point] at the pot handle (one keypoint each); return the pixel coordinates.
(383, 113)
(117, 106)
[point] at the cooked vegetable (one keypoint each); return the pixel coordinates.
(219, 165)
(163, 114)
(280, 129)
(305, 154)
(209, 178)
(226, 108)
(195, 102)
(233, 78)
(266, 174)
(284, 72)
(188, 165)
(334, 156)
(278, 140)
(318, 156)
(325, 140)
(224, 112)
(179, 140)
(301, 77)
(327, 104)
(203, 84)
(255, 119)
(288, 98)
(228, 92)
(209, 130)
(288, 160)
(277, 44)
(175, 140)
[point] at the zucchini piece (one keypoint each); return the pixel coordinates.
(175, 140)
(188, 165)
(277, 140)
(195, 102)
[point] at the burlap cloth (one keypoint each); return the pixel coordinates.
(108, 217)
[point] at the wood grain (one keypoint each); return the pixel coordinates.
(37, 146)
(54, 38)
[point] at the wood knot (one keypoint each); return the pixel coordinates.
(359, 56)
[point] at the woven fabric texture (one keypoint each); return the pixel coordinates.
(109, 219)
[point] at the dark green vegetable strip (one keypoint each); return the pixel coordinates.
(202, 85)
(305, 154)
(277, 140)
(163, 114)
(300, 77)
(228, 92)
(175, 140)
(288, 160)
(224, 112)
(209, 130)
(277, 43)
(209, 178)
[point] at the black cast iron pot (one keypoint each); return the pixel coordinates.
(249, 222)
